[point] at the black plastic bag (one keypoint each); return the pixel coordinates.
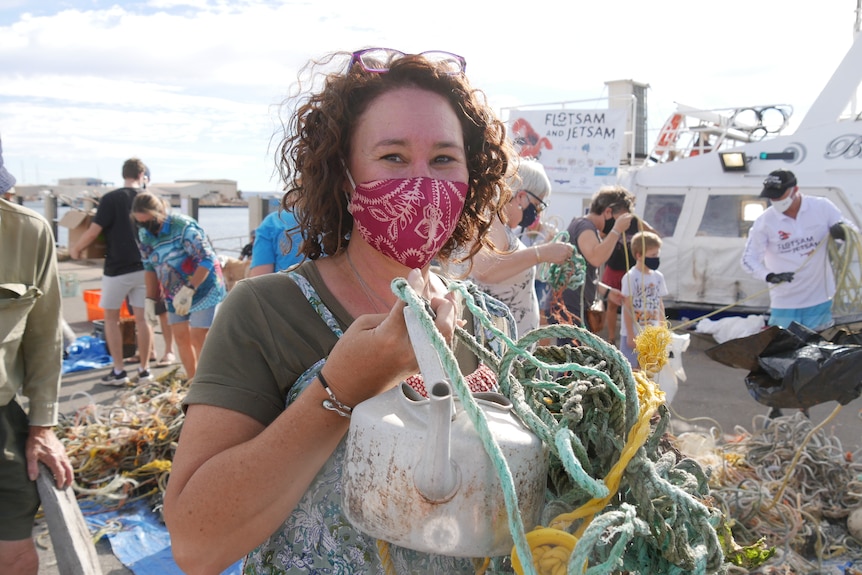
(795, 367)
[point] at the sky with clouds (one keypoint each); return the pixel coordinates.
(193, 87)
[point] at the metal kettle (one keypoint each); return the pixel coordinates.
(416, 472)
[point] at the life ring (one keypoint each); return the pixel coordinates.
(668, 133)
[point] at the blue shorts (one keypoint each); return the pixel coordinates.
(201, 319)
(816, 317)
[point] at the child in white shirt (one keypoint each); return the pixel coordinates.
(643, 287)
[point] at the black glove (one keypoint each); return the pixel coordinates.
(837, 231)
(779, 278)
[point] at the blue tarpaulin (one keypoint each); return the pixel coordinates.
(142, 544)
(86, 352)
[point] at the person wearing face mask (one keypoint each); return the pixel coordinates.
(784, 248)
(123, 275)
(389, 160)
(642, 287)
(178, 258)
(595, 236)
(616, 267)
(508, 271)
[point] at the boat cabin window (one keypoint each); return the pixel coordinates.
(662, 212)
(730, 216)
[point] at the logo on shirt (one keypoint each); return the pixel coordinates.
(782, 235)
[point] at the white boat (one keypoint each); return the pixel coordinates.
(700, 184)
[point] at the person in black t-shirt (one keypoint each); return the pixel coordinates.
(123, 274)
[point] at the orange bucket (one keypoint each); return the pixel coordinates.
(94, 312)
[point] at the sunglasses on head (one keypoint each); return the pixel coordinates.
(379, 60)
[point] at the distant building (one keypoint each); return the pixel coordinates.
(85, 192)
(209, 192)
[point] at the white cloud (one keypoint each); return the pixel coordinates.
(191, 86)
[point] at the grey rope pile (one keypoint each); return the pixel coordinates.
(807, 526)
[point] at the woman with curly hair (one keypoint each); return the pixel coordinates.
(396, 160)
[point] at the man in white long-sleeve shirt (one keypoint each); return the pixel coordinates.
(785, 248)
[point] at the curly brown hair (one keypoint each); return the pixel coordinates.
(316, 144)
(617, 198)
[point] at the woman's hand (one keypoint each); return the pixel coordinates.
(375, 352)
(555, 252)
(622, 223)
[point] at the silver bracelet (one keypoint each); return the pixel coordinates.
(332, 404)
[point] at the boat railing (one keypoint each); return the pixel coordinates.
(691, 131)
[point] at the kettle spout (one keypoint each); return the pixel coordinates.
(436, 476)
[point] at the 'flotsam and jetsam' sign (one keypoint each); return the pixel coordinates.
(579, 149)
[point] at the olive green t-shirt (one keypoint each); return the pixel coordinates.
(265, 335)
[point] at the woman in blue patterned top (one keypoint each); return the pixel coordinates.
(178, 255)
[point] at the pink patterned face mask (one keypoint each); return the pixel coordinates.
(407, 219)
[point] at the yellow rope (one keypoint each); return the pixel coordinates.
(551, 549)
(385, 557)
(653, 348)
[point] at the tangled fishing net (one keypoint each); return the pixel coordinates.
(629, 499)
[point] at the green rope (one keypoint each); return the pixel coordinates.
(582, 403)
(570, 274)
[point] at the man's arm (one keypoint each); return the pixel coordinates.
(754, 253)
(42, 348)
(85, 240)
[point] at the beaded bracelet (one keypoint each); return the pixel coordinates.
(332, 404)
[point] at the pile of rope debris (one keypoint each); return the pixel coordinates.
(122, 452)
(796, 496)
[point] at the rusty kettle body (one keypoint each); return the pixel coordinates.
(417, 473)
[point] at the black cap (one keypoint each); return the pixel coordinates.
(776, 184)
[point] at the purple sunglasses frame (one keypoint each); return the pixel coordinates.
(392, 53)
